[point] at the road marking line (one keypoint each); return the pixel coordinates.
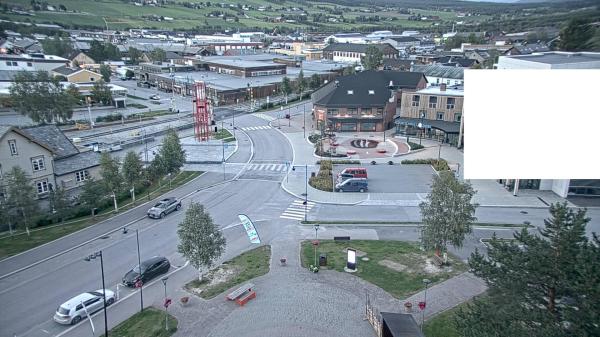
(290, 212)
(291, 218)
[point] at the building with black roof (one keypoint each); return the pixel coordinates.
(365, 101)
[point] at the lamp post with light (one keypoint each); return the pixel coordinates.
(420, 125)
(93, 257)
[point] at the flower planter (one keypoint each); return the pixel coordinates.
(184, 301)
(408, 306)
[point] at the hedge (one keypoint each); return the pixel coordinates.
(441, 165)
(324, 179)
(415, 146)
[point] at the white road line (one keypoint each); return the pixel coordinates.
(288, 212)
(280, 167)
(262, 167)
(292, 218)
(271, 167)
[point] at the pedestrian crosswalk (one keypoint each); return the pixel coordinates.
(263, 116)
(255, 128)
(266, 167)
(297, 210)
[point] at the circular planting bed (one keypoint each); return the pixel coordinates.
(364, 143)
(350, 152)
(382, 150)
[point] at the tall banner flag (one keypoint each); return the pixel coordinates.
(250, 229)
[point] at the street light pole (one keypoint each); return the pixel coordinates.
(92, 257)
(305, 191)
(137, 239)
(304, 114)
(316, 241)
(164, 281)
(426, 281)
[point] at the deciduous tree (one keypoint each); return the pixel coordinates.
(41, 97)
(373, 58)
(93, 194)
(21, 197)
(60, 204)
(158, 55)
(576, 35)
(101, 93)
(200, 240)
(111, 177)
(171, 153)
(134, 55)
(132, 169)
(286, 87)
(448, 213)
(105, 72)
(315, 81)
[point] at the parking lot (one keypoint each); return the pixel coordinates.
(395, 178)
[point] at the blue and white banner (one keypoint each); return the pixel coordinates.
(250, 229)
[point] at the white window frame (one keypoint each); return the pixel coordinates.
(43, 186)
(39, 162)
(82, 175)
(12, 144)
(437, 116)
(416, 102)
(450, 106)
(432, 105)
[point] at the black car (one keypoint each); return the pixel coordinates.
(149, 269)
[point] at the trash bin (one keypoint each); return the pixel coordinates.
(322, 260)
(313, 174)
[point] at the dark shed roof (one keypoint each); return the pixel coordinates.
(401, 325)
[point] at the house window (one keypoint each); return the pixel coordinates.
(42, 186)
(82, 175)
(350, 92)
(379, 111)
(29, 64)
(38, 163)
(352, 111)
(332, 111)
(450, 103)
(92, 79)
(371, 92)
(365, 111)
(432, 102)
(447, 81)
(457, 117)
(440, 116)
(13, 147)
(416, 99)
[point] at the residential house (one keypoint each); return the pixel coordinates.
(528, 48)
(48, 158)
(365, 101)
(77, 75)
(437, 74)
(434, 112)
(354, 53)
(31, 62)
(81, 59)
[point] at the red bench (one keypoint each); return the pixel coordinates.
(242, 294)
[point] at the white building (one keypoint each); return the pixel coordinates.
(31, 62)
(345, 38)
(551, 60)
(437, 74)
(554, 60)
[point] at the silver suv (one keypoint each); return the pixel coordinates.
(164, 207)
(72, 311)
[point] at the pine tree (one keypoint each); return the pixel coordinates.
(105, 72)
(448, 212)
(200, 240)
(538, 284)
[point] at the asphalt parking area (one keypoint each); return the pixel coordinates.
(396, 178)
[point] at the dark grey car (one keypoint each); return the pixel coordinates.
(164, 207)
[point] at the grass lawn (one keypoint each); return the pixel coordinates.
(225, 135)
(231, 273)
(416, 223)
(136, 105)
(20, 242)
(149, 323)
(409, 262)
(137, 97)
(442, 325)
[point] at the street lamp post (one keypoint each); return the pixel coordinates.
(164, 281)
(304, 114)
(316, 241)
(92, 257)
(305, 190)
(137, 239)
(421, 127)
(426, 282)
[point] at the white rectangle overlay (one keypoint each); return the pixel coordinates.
(532, 124)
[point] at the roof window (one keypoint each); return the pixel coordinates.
(371, 92)
(350, 92)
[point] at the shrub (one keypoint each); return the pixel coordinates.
(324, 179)
(109, 118)
(314, 138)
(442, 165)
(341, 162)
(415, 146)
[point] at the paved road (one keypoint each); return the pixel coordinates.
(36, 292)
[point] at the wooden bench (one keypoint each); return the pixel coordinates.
(438, 261)
(242, 294)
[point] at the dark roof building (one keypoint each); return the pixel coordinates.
(54, 139)
(365, 101)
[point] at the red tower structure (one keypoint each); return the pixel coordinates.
(202, 113)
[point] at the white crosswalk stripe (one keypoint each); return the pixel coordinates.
(256, 128)
(263, 116)
(297, 210)
(266, 167)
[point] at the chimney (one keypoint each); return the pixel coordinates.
(443, 87)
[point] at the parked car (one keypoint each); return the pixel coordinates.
(355, 172)
(72, 311)
(353, 185)
(343, 176)
(149, 269)
(155, 97)
(164, 207)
